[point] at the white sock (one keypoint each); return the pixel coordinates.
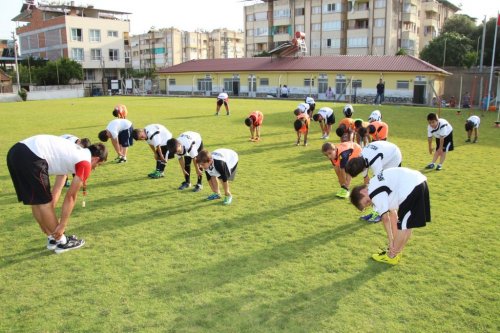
(62, 240)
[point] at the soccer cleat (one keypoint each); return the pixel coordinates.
(297, 143)
(326, 137)
(51, 244)
(374, 218)
(227, 113)
(439, 167)
(72, 243)
(197, 188)
(386, 259)
(305, 143)
(122, 160)
(213, 196)
(150, 175)
(117, 158)
(227, 200)
(157, 175)
(343, 193)
(430, 166)
(217, 113)
(184, 185)
(468, 140)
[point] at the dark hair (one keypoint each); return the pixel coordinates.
(172, 146)
(115, 112)
(103, 135)
(432, 116)
(371, 129)
(362, 132)
(340, 131)
(356, 196)
(316, 117)
(358, 123)
(355, 166)
(297, 124)
(136, 132)
(99, 150)
(85, 142)
(327, 146)
(204, 156)
(469, 126)
(248, 121)
(297, 112)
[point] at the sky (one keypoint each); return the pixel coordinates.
(203, 14)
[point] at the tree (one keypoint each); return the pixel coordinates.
(461, 24)
(449, 49)
(61, 71)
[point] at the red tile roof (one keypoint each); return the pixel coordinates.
(341, 63)
(3, 76)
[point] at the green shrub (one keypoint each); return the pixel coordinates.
(23, 93)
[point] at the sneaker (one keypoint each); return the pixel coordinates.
(298, 143)
(386, 259)
(375, 218)
(227, 113)
(51, 243)
(72, 243)
(326, 137)
(343, 193)
(366, 217)
(122, 160)
(184, 185)
(213, 196)
(197, 188)
(217, 113)
(430, 166)
(227, 200)
(439, 167)
(475, 140)
(468, 140)
(117, 158)
(323, 136)
(305, 143)
(157, 175)
(150, 175)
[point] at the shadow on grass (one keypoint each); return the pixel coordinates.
(26, 255)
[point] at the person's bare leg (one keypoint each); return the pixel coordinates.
(46, 217)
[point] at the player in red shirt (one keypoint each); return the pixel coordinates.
(254, 121)
(301, 126)
(120, 111)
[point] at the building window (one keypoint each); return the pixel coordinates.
(322, 83)
(357, 42)
(261, 16)
(250, 33)
(379, 23)
(332, 26)
(315, 44)
(205, 84)
(171, 82)
(379, 3)
(357, 83)
(316, 27)
(95, 54)
(264, 82)
(77, 54)
(76, 34)
(403, 85)
(308, 82)
(113, 55)
(333, 8)
(112, 33)
(316, 10)
(378, 41)
(250, 18)
(300, 11)
(340, 85)
(95, 35)
(299, 27)
(331, 43)
(261, 31)
(281, 13)
(89, 74)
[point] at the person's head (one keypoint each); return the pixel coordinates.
(248, 121)
(103, 135)
(298, 124)
(469, 125)
(98, 153)
(174, 147)
(348, 110)
(380, 80)
(360, 198)
(358, 123)
(116, 112)
(432, 119)
(355, 166)
(317, 117)
(85, 142)
(329, 150)
(204, 159)
(139, 134)
(309, 100)
(371, 129)
(340, 131)
(376, 115)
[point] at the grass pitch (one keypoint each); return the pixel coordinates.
(286, 256)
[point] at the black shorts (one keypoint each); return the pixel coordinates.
(30, 175)
(221, 101)
(448, 142)
(330, 120)
(415, 210)
(125, 138)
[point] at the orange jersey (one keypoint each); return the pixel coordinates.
(257, 118)
(348, 122)
(346, 151)
(307, 121)
(381, 130)
(122, 111)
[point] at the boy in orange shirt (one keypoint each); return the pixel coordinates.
(378, 130)
(301, 126)
(120, 111)
(254, 121)
(339, 155)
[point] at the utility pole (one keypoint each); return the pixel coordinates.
(481, 64)
(17, 65)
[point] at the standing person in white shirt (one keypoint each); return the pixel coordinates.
(32, 161)
(187, 147)
(326, 119)
(222, 98)
(472, 124)
(221, 164)
(401, 197)
(120, 132)
(440, 129)
(156, 136)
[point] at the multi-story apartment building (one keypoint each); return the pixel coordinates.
(341, 27)
(96, 38)
(159, 48)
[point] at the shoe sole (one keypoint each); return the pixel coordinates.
(59, 251)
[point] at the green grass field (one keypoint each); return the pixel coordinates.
(286, 256)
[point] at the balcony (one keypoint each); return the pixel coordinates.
(409, 17)
(358, 14)
(430, 7)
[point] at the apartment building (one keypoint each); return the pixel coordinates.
(341, 27)
(96, 38)
(159, 48)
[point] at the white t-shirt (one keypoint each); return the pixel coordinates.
(303, 107)
(389, 188)
(476, 120)
(157, 135)
(61, 155)
(117, 125)
(380, 155)
(223, 96)
(310, 100)
(325, 112)
(224, 161)
(70, 137)
(442, 130)
(190, 142)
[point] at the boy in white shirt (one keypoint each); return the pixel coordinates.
(440, 129)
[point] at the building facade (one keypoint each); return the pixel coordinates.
(166, 47)
(341, 27)
(98, 39)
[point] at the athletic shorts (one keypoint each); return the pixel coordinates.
(330, 120)
(125, 138)
(221, 101)
(233, 172)
(448, 142)
(30, 175)
(415, 210)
